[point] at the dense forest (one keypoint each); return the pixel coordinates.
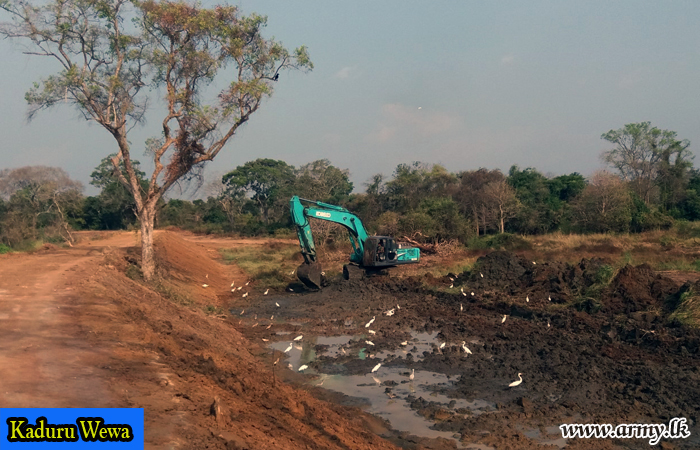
(650, 185)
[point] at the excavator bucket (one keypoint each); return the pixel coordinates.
(310, 275)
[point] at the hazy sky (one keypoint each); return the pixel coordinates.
(465, 84)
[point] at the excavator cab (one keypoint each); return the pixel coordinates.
(380, 251)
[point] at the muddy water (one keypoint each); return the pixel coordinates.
(389, 391)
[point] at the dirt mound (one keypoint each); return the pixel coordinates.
(514, 275)
(497, 270)
(189, 266)
(637, 288)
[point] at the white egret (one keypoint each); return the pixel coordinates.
(245, 295)
(548, 325)
(527, 298)
(370, 322)
(268, 327)
(205, 285)
(376, 367)
(404, 343)
(504, 318)
(242, 312)
(376, 380)
(515, 383)
(289, 348)
(442, 346)
(464, 293)
(239, 288)
(461, 290)
(461, 307)
(233, 282)
(206, 276)
(465, 348)
(272, 317)
(299, 338)
(390, 312)
(292, 272)
(412, 375)
(451, 279)
(533, 262)
(256, 324)
(266, 291)
(452, 285)
(372, 332)
(265, 340)
(472, 293)
(303, 367)
(482, 275)
(397, 306)
(247, 283)
(290, 366)
(549, 298)
(369, 343)
(277, 304)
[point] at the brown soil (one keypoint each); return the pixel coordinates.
(78, 332)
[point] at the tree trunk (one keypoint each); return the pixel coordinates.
(148, 260)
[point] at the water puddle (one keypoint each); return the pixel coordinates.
(388, 392)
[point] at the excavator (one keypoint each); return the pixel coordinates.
(370, 254)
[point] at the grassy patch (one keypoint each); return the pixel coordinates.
(687, 309)
(172, 293)
(270, 264)
(4, 249)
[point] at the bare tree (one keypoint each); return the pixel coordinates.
(503, 201)
(112, 53)
(604, 205)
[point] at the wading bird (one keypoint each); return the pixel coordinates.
(442, 346)
(390, 312)
(242, 312)
(233, 282)
(299, 338)
(527, 298)
(515, 383)
(369, 343)
(289, 348)
(482, 275)
(247, 283)
(504, 318)
(465, 348)
(376, 380)
(245, 295)
(303, 367)
(461, 307)
(370, 322)
(372, 332)
(404, 343)
(277, 304)
(205, 285)
(376, 367)
(266, 291)
(412, 375)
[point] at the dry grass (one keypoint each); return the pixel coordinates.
(270, 264)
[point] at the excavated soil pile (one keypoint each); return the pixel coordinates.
(637, 288)
(512, 274)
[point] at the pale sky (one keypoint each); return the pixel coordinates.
(465, 84)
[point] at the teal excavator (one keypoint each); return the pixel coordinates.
(371, 253)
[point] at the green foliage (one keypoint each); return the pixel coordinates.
(4, 249)
(604, 274)
(134, 272)
(685, 308)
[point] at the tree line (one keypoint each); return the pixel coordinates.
(652, 183)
